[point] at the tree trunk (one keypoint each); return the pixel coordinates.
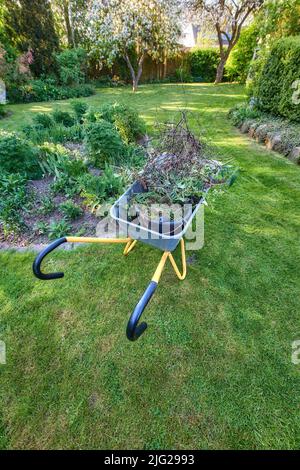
(165, 66)
(220, 70)
(135, 76)
(71, 24)
(134, 85)
(221, 66)
(139, 73)
(68, 21)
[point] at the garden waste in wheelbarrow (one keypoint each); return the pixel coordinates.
(134, 232)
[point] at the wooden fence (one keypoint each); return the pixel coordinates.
(151, 70)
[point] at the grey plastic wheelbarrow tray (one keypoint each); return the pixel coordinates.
(158, 240)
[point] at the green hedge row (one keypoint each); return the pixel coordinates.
(203, 64)
(277, 88)
(46, 90)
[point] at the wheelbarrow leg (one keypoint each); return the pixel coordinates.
(129, 246)
(180, 276)
(135, 330)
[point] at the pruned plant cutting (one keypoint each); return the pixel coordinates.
(179, 171)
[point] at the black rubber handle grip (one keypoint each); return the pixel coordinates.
(134, 331)
(38, 261)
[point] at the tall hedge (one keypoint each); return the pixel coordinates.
(203, 64)
(274, 88)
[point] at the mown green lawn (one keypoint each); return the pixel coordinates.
(214, 369)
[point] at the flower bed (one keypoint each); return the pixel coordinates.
(62, 168)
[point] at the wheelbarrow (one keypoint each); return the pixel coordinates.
(134, 233)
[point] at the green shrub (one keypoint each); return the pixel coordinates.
(256, 68)
(13, 199)
(92, 115)
(56, 160)
(36, 134)
(34, 90)
(183, 75)
(82, 90)
(41, 227)
(63, 117)
(122, 125)
(273, 88)
(115, 81)
(74, 134)
(125, 119)
(47, 205)
(53, 158)
(238, 64)
(46, 90)
(112, 182)
(18, 155)
(71, 66)
(57, 134)
(104, 143)
(64, 184)
(58, 229)
(3, 111)
(70, 210)
(203, 64)
(96, 189)
(241, 112)
(92, 190)
(43, 120)
(80, 108)
(135, 156)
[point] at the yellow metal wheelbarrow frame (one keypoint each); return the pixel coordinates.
(134, 329)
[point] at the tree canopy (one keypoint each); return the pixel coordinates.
(30, 25)
(227, 17)
(118, 27)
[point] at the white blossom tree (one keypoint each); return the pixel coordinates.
(147, 27)
(227, 18)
